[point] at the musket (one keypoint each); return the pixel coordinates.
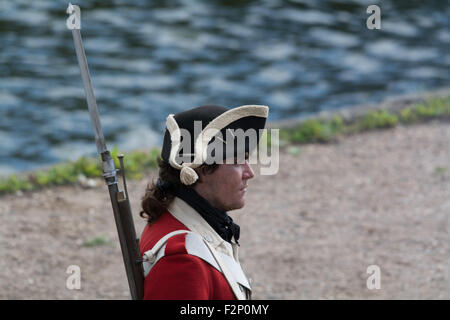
(129, 244)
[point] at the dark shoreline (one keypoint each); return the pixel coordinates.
(350, 113)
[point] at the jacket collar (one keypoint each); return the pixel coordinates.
(188, 216)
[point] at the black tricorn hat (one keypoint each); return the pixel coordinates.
(205, 127)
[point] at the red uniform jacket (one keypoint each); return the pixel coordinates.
(179, 275)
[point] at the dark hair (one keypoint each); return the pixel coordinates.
(156, 200)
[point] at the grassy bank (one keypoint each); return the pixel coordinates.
(317, 130)
(71, 172)
(309, 131)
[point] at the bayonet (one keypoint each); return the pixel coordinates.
(119, 199)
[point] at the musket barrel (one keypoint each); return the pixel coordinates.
(121, 207)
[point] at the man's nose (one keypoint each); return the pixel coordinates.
(248, 171)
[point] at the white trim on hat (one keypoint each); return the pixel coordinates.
(221, 122)
(175, 137)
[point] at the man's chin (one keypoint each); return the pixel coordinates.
(237, 206)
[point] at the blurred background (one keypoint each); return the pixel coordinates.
(151, 58)
(311, 230)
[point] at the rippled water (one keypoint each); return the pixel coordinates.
(151, 58)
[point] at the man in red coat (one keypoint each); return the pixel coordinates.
(190, 245)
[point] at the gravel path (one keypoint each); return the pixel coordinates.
(309, 232)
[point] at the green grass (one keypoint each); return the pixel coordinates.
(441, 170)
(311, 131)
(324, 131)
(136, 163)
(314, 130)
(97, 241)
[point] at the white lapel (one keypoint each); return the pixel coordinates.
(187, 215)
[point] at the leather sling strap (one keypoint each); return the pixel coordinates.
(232, 282)
(150, 255)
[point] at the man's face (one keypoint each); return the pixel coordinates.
(225, 188)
